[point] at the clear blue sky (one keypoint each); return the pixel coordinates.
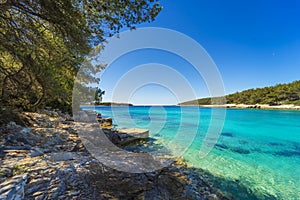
(253, 43)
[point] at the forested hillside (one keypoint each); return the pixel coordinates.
(274, 95)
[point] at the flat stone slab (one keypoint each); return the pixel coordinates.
(134, 132)
(129, 135)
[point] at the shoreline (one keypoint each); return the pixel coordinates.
(254, 106)
(50, 153)
(50, 149)
(228, 106)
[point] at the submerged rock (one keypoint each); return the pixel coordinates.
(240, 150)
(243, 142)
(227, 134)
(221, 146)
(275, 144)
(288, 153)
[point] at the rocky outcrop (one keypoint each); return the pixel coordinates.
(126, 136)
(137, 133)
(49, 161)
(122, 136)
(106, 123)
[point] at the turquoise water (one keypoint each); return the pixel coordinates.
(257, 149)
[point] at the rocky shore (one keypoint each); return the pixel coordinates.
(47, 160)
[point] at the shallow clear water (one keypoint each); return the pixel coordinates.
(257, 149)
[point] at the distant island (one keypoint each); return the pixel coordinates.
(278, 96)
(113, 104)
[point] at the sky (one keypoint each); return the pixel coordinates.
(252, 43)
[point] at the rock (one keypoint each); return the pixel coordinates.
(26, 130)
(35, 187)
(240, 150)
(26, 137)
(24, 140)
(56, 141)
(212, 197)
(5, 172)
(36, 151)
(13, 151)
(287, 153)
(39, 195)
(57, 191)
(16, 148)
(10, 139)
(227, 134)
(2, 154)
(12, 125)
(105, 123)
(135, 132)
(175, 185)
(61, 156)
(126, 136)
(221, 146)
(14, 188)
(129, 135)
(23, 137)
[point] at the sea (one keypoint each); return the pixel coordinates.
(250, 153)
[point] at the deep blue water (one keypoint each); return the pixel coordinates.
(259, 149)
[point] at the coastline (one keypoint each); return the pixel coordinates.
(229, 106)
(254, 106)
(48, 153)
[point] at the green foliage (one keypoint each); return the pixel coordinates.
(98, 95)
(44, 42)
(206, 101)
(274, 95)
